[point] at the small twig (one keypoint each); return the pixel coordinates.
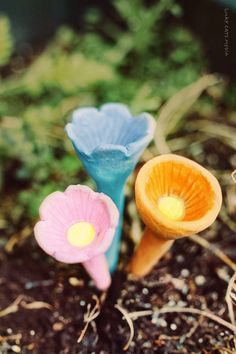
(130, 323)
(18, 302)
(136, 314)
(193, 329)
(233, 298)
(190, 310)
(90, 315)
(130, 316)
(217, 252)
(36, 305)
(13, 307)
(228, 298)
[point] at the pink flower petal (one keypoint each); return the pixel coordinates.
(79, 199)
(78, 203)
(111, 209)
(55, 208)
(54, 243)
(96, 208)
(104, 241)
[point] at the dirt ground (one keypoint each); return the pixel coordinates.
(52, 300)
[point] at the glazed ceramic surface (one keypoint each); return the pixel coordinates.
(109, 142)
(78, 225)
(173, 175)
(60, 210)
(175, 197)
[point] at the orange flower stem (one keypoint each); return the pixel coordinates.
(148, 252)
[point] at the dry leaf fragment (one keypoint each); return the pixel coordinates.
(36, 305)
(13, 307)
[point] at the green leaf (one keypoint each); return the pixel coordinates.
(6, 41)
(176, 107)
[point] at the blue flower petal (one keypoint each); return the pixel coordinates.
(116, 110)
(84, 112)
(112, 128)
(142, 132)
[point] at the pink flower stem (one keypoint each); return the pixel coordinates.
(97, 268)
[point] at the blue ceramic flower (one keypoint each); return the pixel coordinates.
(109, 143)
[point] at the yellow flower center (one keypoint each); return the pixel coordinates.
(172, 207)
(81, 234)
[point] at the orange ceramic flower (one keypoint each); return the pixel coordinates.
(175, 197)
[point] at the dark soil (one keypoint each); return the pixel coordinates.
(188, 276)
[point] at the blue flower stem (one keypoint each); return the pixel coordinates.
(116, 192)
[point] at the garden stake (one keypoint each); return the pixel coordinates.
(78, 226)
(109, 143)
(175, 197)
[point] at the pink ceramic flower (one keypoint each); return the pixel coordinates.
(78, 226)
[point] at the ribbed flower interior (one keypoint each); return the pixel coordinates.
(183, 181)
(94, 128)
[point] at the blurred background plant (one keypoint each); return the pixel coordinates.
(141, 54)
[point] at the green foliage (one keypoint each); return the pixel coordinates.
(6, 42)
(141, 58)
(174, 110)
